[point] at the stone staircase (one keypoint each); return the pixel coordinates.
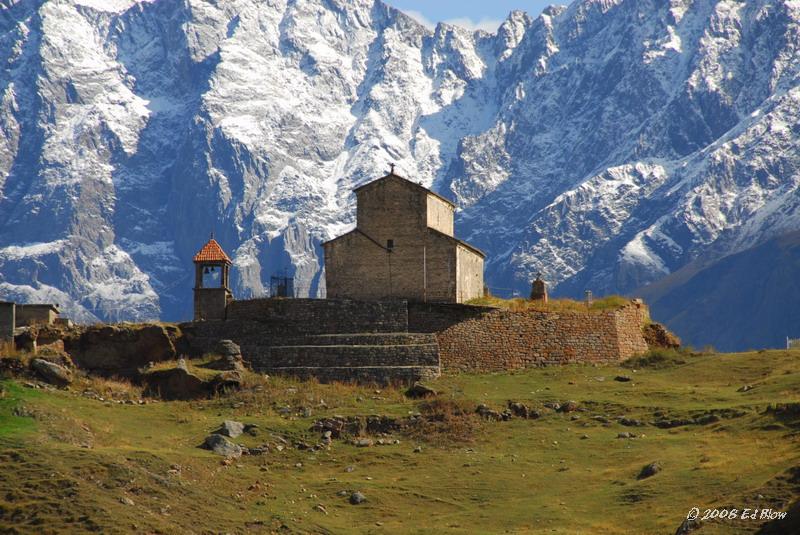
(363, 357)
(332, 340)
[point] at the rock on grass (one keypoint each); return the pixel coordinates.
(649, 471)
(51, 372)
(230, 428)
(222, 446)
(357, 498)
(419, 391)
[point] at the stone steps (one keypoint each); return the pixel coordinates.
(359, 339)
(344, 355)
(359, 374)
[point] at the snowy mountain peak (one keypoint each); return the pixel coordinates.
(606, 144)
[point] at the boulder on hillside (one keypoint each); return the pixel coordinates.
(487, 413)
(175, 384)
(228, 348)
(122, 349)
(222, 446)
(230, 428)
(340, 425)
(230, 357)
(224, 382)
(357, 498)
(649, 471)
(687, 526)
(521, 410)
(51, 372)
(180, 383)
(656, 335)
(568, 406)
(419, 390)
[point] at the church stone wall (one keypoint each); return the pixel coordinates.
(389, 209)
(422, 263)
(440, 272)
(470, 274)
(440, 215)
(339, 334)
(356, 267)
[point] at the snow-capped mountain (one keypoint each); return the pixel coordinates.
(605, 144)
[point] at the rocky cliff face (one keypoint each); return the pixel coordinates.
(606, 144)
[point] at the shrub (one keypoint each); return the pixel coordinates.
(445, 422)
(657, 358)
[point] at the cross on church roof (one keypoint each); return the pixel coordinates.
(391, 168)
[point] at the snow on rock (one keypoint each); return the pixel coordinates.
(605, 144)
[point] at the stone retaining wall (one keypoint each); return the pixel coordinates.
(288, 333)
(346, 356)
(485, 339)
(322, 316)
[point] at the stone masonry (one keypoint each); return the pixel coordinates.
(403, 247)
(485, 339)
(7, 321)
(397, 341)
(340, 340)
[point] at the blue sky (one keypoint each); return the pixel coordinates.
(484, 14)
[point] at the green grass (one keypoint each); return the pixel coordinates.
(11, 406)
(68, 466)
(519, 304)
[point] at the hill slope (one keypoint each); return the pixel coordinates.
(74, 463)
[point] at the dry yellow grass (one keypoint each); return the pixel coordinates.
(71, 464)
(519, 304)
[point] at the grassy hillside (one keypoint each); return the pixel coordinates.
(71, 463)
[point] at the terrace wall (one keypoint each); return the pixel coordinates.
(486, 339)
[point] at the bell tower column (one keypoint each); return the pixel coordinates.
(211, 292)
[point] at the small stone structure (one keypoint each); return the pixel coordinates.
(36, 314)
(15, 316)
(403, 247)
(7, 321)
(539, 289)
(211, 292)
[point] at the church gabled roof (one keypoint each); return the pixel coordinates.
(211, 252)
(407, 182)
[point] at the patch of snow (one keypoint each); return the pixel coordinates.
(18, 252)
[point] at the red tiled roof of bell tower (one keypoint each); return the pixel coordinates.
(211, 252)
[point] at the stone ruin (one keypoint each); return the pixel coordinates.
(539, 289)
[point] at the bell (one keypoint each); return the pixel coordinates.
(206, 271)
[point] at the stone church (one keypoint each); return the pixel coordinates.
(403, 247)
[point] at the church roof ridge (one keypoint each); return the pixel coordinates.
(392, 174)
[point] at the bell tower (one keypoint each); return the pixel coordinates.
(211, 292)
